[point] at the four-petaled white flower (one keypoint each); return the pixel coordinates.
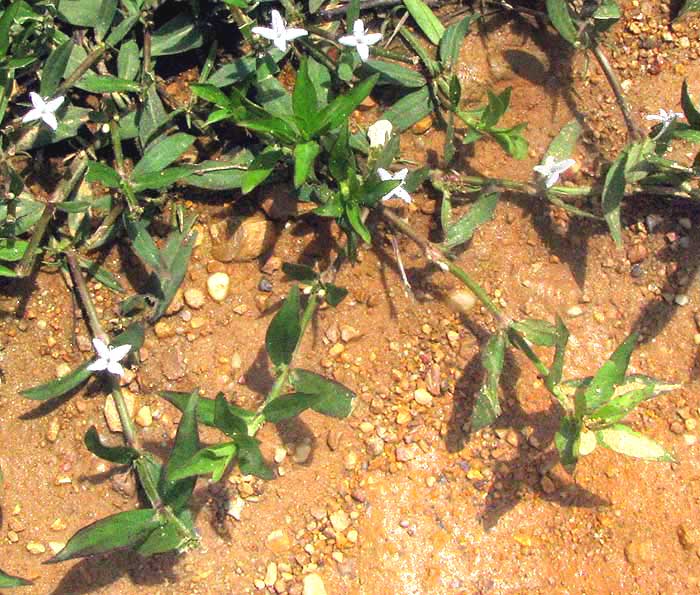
(279, 34)
(552, 168)
(664, 118)
(399, 191)
(379, 133)
(108, 357)
(43, 110)
(360, 40)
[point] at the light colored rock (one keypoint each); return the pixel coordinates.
(302, 453)
(217, 286)
(461, 300)
(313, 585)
(340, 520)
(251, 239)
(194, 298)
(62, 369)
(36, 548)
(348, 333)
(278, 541)
(110, 410)
(423, 397)
(271, 574)
(144, 417)
(53, 430)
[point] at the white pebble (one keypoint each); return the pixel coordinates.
(217, 286)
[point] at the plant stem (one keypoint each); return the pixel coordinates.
(98, 332)
(632, 128)
(82, 68)
(438, 255)
(64, 190)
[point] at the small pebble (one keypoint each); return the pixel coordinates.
(144, 417)
(340, 520)
(313, 585)
(681, 299)
(265, 285)
(574, 311)
(194, 298)
(36, 548)
(423, 397)
(218, 285)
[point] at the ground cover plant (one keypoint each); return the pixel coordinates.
(85, 110)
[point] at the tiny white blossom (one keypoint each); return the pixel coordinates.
(399, 191)
(379, 133)
(43, 110)
(108, 357)
(551, 169)
(360, 40)
(664, 118)
(279, 34)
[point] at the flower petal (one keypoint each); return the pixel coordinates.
(348, 40)
(31, 115)
(384, 175)
(98, 365)
(403, 194)
(372, 38)
(358, 29)
(37, 100)
(50, 120)
(119, 353)
(101, 348)
(363, 51)
(293, 33)
(401, 174)
(115, 368)
(264, 32)
(54, 104)
(280, 43)
(277, 21)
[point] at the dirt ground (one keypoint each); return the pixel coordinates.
(398, 499)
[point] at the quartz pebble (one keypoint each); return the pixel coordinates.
(194, 298)
(112, 415)
(313, 585)
(217, 286)
(423, 397)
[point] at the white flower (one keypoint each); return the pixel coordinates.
(379, 133)
(360, 40)
(551, 169)
(279, 34)
(108, 357)
(399, 191)
(665, 118)
(43, 110)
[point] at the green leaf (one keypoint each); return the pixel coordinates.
(624, 440)
(108, 84)
(391, 73)
(613, 193)
(451, 41)
(565, 440)
(122, 455)
(180, 34)
(169, 536)
(250, 459)
(299, 272)
(12, 250)
(304, 157)
(304, 99)
(339, 110)
(479, 213)
(409, 109)
(121, 30)
(162, 153)
(260, 168)
(426, 20)
(69, 124)
(104, 174)
(691, 112)
(128, 60)
(606, 15)
(81, 13)
(539, 332)
(611, 373)
(220, 175)
(6, 21)
(487, 406)
(178, 493)
(288, 406)
(54, 69)
(558, 12)
(335, 294)
(335, 400)
(152, 116)
(227, 417)
(8, 581)
(354, 215)
(119, 531)
(689, 6)
(557, 368)
(234, 72)
(160, 179)
(213, 460)
(497, 106)
(284, 330)
(143, 244)
(564, 143)
(105, 16)
(206, 408)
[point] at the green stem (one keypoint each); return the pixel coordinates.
(64, 190)
(128, 426)
(82, 68)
